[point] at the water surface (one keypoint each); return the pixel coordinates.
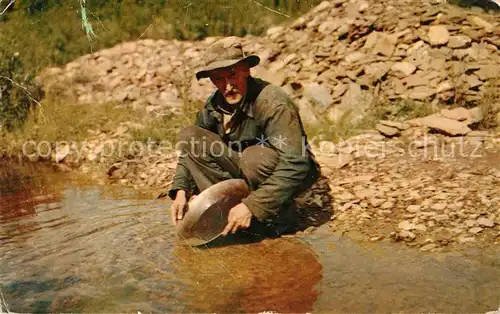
(71, 246)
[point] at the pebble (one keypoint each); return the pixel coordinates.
(441, 217)
(387, 205)
(406, 225)
(475, 230)
(470, 223)
(428, 247)
(438, 207)
(413, 208)
(484, 222)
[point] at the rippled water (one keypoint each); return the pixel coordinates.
(67, 246)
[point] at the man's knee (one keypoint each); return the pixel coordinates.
(191, 132)
(191, 138)
(257, 162)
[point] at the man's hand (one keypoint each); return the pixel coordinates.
(178, 206)
(239, 217)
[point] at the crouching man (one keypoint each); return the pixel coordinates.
(247, 129)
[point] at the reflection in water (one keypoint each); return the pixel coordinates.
(277, 275)
(23, 192)
(16, 197)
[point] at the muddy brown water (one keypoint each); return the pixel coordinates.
(72, 246)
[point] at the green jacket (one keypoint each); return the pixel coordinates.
(268, 116)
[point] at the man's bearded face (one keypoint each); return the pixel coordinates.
(231, 81)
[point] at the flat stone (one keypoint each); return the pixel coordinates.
(475, 230)
(371, 40)
(442, 217)
(403, 68)
(376, 71)
(428, 247)
(473, 81)
(421, 92)
(421, 227)
(417, 79)
(384, 46)
(376, 202)
(394, 124)
(328, 27)
(354, 103)
(364, 193)
(387, 205)
(487, 72)
(459, 41)
(438, 207)
(345, 197)
(470, 223)
(477, 21)
(407, 235)
(446, 125)
(355, 57)
(386, 130)
(484, 222)
(438, 35)
(413, 208)
(466, 239)
(444, 86)
(276, 77)
(406, 225)
(459, 114)
(337, 161)
(475, 114)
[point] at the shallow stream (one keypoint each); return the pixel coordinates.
(68, 245)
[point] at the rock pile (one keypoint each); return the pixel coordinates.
(344, 54)
(429, 202)
(411, 181)
(338, 58)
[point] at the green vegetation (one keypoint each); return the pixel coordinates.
(490, 106)
(164, 128)
(56, 121)
(49, 32)
(18, 93)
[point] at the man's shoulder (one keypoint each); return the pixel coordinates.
(271, 98)
(272, 92)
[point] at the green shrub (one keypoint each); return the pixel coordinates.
(18, 92)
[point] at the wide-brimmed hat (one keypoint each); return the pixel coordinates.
(224, 53)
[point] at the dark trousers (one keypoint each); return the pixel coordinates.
(210, 161)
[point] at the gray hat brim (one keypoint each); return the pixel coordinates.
(251, 60)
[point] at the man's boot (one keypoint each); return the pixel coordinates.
(287, 220)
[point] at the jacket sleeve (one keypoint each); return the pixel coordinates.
(183, 179)
(284, 133)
